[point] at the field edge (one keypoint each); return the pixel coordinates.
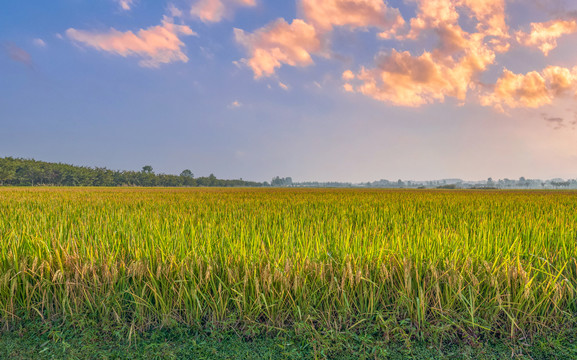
(94, 340)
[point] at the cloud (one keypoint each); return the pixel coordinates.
(558, 122)
(283, 86)
(490, 15)
(279, 43)
(544, 35)
(399, 78)
(156, 45)
(326, 14)
(39, 42)
(235, 104)
(126, 5)
(431, 14)
(402, 79)
(531, 90)
(348, 75)
(443, 16)
(18, 54)
(210, 11)
(174, 12)
(560, 80)
(450, 70)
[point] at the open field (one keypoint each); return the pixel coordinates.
(444, 264)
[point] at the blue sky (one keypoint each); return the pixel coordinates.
(343, 90)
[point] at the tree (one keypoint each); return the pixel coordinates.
(211, 180)
(278, 181)
(6, 175)
(26, 172)
(104, 177)
(187, 173)
(523, 181)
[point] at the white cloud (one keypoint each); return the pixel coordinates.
(39, 42)
(126, 5)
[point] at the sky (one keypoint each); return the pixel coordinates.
(318, 90)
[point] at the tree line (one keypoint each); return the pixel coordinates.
(29, 172)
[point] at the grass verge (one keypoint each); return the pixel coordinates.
(85, 340)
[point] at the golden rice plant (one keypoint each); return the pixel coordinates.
(501, 262)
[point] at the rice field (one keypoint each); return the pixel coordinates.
(461, 262)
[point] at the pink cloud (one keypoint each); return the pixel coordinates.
(450, 69)
(235, 104)
(18, 54)
(458, 51)
(156, 45)
(405, 80)
(490, 15)
(326, 14)
(215, 10)
(544, 35)
(433, 15)
(279, 43)
(173, 11)
(348, 75)
(126, 4)
(531, 90)
(294, 44)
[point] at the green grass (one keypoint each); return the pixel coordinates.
(442, 265)
(38, 340)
